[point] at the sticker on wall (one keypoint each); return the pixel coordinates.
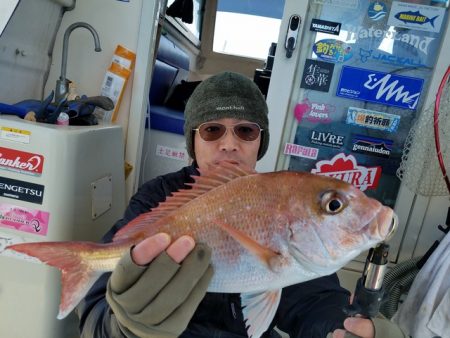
(372, 119)
(352, 4)
(24, 219)
(372, 145)
(377, 10)
(21, 161)
(323, 26)
(344, 167)
(357, 33)
(168, 152)
(366, 55)
(415, 16)
(326, 138)
(332, 50)
(317, 75)
(301, 151)
(379, 87)
(15, 135)
(21, 190)
(315, 112)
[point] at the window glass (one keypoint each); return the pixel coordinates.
(247, 28)
(196, 26)
(6, 10)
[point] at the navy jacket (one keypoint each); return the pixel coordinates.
(306, 310)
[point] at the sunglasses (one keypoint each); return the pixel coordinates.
(212, 131)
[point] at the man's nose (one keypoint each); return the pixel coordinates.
(229, 142)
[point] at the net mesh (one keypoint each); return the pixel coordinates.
(419, 168)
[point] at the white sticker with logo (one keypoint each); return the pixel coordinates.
(173, 153)
(345, 168)
(15, 135)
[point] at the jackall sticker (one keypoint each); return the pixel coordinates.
(372, 145)
(332, 50)
(315, 112)
(344, 167)
(392, 59)
(24, 219)
(323, 26)
(20, 190)
(301, 151)
(379, 87)
(372, 119)
(21, 161)
(377, 10)
(355, 33)
(414, 16)
(326, 138)
(317, 75)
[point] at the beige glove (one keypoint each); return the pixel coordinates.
(159, 300)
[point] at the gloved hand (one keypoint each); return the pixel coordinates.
(378, 327)
(159, 299)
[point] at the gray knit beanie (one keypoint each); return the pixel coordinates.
(226, 95)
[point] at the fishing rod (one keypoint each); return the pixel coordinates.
(369, 291)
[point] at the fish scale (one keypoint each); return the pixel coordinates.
(267, 231)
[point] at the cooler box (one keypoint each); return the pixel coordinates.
(57, 183)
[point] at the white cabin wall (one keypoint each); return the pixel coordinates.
(26, 47)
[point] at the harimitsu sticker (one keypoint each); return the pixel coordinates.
(301, 151)
(15, 135)
(345, 168)
(24, 219)
(21, 161)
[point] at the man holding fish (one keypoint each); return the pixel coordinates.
(267, 244)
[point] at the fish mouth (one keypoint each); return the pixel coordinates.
(385, 223)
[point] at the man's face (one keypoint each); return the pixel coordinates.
(228, 148)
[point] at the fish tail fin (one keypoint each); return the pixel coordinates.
(432, 20)
(77, 274)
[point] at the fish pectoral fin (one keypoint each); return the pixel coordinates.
(259, 309)
(269, 257)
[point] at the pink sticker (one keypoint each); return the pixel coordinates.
(24, 219)
(314, 111)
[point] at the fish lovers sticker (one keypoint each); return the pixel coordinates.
(345, 168)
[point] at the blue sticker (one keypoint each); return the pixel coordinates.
(332, 50)
(377, 10)
(379, 87)
(372, 119)
(415, 16)
(372, 146)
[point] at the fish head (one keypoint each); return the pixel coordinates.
(332, 222)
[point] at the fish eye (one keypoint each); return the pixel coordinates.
(332, 203)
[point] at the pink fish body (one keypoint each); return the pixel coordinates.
(267, 231)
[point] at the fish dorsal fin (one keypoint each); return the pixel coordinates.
(208, 180)
(259, 309)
